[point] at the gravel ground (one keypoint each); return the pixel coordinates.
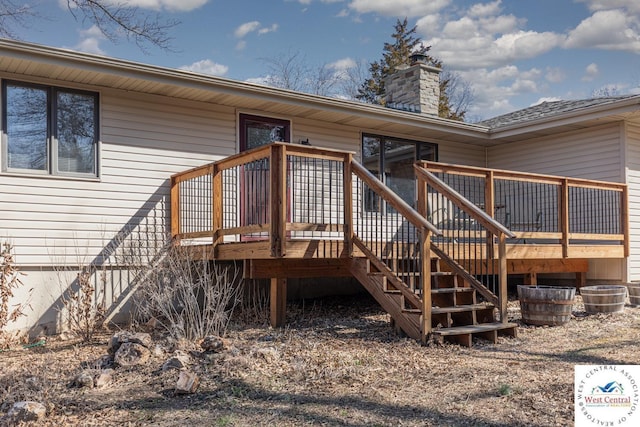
(336, 363)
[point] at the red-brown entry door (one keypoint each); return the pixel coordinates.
(256, 131)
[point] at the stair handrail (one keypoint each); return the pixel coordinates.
(393, 199)
(490, 224)
(466, 205)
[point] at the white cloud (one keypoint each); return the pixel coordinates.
(485, 9)
(249, 27)
(90, 41)
(400, 8)
(483, 37)
(555, 75)
(591, 72)
(493, 88)
(259, 80)
(206, 66)
(632, 6)
(483, 50)
(89, 45)
(342, 64)
(546, 99)
(246, 28)
(271, 29)
(607, 29)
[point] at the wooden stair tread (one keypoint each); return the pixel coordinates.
(470, 329)
(450, 290)
(442, 273)
(460, 308)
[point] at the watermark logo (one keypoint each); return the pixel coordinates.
(607, 395)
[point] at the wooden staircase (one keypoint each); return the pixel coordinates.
(457, 312)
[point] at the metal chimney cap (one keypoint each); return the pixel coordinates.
(421, 58)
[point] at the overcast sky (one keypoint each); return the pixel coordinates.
(514, 53)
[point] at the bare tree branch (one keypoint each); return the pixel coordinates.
(115, 20)
(459, 92)
(13, 14)
(120, 20)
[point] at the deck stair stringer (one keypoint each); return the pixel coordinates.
(458, 312)
(389, 298)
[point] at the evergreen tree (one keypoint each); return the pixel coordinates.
(405, 44)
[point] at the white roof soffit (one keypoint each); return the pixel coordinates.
(91, 63)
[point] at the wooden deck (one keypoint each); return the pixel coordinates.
(294, 211)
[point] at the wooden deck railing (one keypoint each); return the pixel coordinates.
(540, 209)
(270, 194)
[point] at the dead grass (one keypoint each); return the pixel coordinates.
(337, 363)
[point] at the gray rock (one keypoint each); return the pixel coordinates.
(104, 378)
(84, 380)
(180, 360)
(131, 354)
(26, 411)
(212, 343)
(122, 337)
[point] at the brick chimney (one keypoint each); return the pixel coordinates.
(415, 87)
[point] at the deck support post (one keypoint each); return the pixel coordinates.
(502, 255)
(581, 279)
(278, 301)
(278, 200)
(425, 268)
(531, 278)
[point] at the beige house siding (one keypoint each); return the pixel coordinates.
(633, 181)
(463, 154)
(593, 154)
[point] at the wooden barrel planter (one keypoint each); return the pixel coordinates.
(604, 298)
(546, 305)
(634, 293)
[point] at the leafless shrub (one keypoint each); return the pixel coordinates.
(81, 282)
(82, 312)
(9, 282)
(189, 296)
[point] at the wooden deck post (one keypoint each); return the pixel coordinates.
(425, 268)
(278, 200)
(348, 203)
(489, 207)
(278, 302)
(425, 282)
(624, 220)
(216, 208)
(564, 216)
(502, 255)
(175, 208)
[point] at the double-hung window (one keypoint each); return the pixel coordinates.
(391, 160)
(49, 130)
